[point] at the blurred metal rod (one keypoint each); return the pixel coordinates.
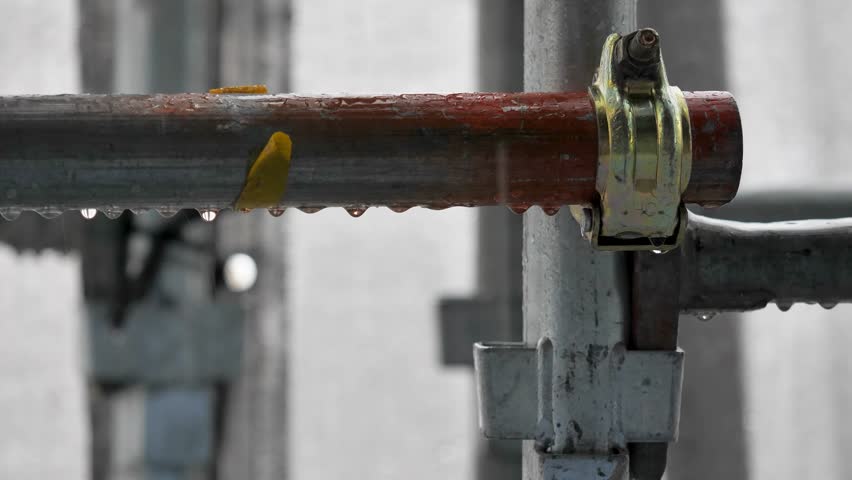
(194, 150)
(734, 266)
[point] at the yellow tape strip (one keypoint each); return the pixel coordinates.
(257, 89)
(266, 181)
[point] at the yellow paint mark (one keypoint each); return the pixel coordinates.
(267, 178)
(249, 89)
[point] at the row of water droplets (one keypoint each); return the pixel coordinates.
(783, 305)
(210, 214)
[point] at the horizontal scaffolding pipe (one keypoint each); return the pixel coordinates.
(734, 266)
(195, 150)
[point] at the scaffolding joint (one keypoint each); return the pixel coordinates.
(644, 149)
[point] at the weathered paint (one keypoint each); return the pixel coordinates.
(193, 150)
(717, 147)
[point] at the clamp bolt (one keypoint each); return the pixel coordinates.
(644, 47)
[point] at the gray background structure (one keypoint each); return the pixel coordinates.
(369, 398)
(43, 393)
(712, 404)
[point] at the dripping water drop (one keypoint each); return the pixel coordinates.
(49, 213)
(167, 212)
(355, 211)
(277, 212)
(550, 211)
(10, 213)
(310, 209)
(519, 209)
(88, 213)
(784, 305)
(657, 242)
(208, 215)
(113, 213)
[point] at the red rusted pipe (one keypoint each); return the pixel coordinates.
(194, 150)
(717, 148)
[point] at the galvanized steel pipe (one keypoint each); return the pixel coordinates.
(734, 266)
(194, 150)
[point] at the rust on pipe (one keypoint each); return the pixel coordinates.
(717, 148)
(194, 150)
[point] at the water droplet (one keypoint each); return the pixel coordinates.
(113, 213)
(208, 215)
(10, 213)
(551, 211)
(139, 211)
(828, 305)
(658, 252)
(88, 213)
(245, 210)
(399, 209)
(49, 212)
(168, 212)
(657, 241)
(277, 212)
(705, 316)
(784, 305)
(437, 207)
(355, 211)
(518, 209)
(311, 209)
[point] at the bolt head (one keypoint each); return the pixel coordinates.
(648, 37)
(644, 46)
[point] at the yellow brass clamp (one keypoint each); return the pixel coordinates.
(644, 149)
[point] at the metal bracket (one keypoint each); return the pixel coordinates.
(545, 466)
(644, 148)
(514, 383)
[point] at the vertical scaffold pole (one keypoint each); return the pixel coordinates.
(576, 297)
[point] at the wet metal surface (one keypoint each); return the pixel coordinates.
(738, 266)
(193, 150)
(573, 295)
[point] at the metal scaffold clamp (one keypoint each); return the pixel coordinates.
(644, 149)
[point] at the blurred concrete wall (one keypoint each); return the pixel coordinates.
(788, 68)
(370, 398)
(43, 418)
